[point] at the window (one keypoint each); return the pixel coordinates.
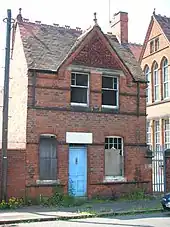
(157, 135)
(79, 89)
(148, 78)
(151, 47)
(113, 157)
(165, 78)
(167, 133)
(156, 44)
(109, 91)
(48, 158)
(148, 135)
(156, 82)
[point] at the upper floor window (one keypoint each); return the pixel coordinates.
(48, 157)
(156, 81)
(114, 157)
(148, 78)
(79, 89)
(151, 47)
(165, 78)
(110, 91)
(156, 44)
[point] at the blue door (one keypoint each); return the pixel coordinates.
(77, 171)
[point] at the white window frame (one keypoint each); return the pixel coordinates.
(78, 86)
(117, 178)
(157, 135)
(156, 82)
(165, 82)
(149, 134)
(166, 132)
(109, 89)
(148, 78)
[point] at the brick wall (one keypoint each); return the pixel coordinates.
(52, 114)
(16, 173)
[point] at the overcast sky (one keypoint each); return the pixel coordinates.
(79, 13)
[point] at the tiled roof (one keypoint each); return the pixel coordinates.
(135, 49)
(47, 46)
(164, 22)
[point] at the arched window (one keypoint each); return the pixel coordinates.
(165, 78)
(156, 81)
(148, 78)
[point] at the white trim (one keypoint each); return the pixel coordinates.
(114, 179)
(110, 107)
(48, 135)
(79, 137)
(164, 67)
(48, 182)
(156, 85)
(78, 104)
(79, 86)
(119, 137)
(112, 89)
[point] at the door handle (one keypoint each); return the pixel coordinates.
(76, 161)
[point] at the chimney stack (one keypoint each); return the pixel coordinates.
(119, 25)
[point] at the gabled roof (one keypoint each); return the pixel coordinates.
(164, 23)
(46, 47)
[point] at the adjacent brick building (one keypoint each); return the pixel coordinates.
(77, 113)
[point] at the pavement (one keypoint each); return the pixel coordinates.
(40, 213)
(142, 220)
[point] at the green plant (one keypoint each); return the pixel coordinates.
(137, 194)
(12, 203)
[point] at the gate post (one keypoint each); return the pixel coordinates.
(166, 159)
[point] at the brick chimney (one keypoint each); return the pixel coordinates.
(119, 25)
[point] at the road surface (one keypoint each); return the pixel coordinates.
(147, 220)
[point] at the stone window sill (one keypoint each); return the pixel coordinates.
(47, 182)
(114, 179)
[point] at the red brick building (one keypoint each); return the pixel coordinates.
(78, 113)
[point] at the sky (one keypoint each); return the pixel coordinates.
(79, 13)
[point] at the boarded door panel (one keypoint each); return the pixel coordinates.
(112, 162)
(48, 159)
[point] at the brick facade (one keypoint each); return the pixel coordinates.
(49, 111)
(52, 113)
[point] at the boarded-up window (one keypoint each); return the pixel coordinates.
(113, 156)
(48, 158)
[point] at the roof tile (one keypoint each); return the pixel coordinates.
(47, 46)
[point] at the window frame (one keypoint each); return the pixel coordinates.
(156, 84)
(116, 178)
(87, 87)
(157, 133)
(149, 134)
(148, 78)
(41, 180)
(166, 131)
(156, 44)
(109, 89)
(152, 46)
(165, 82)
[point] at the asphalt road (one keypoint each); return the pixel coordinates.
(147, 220)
